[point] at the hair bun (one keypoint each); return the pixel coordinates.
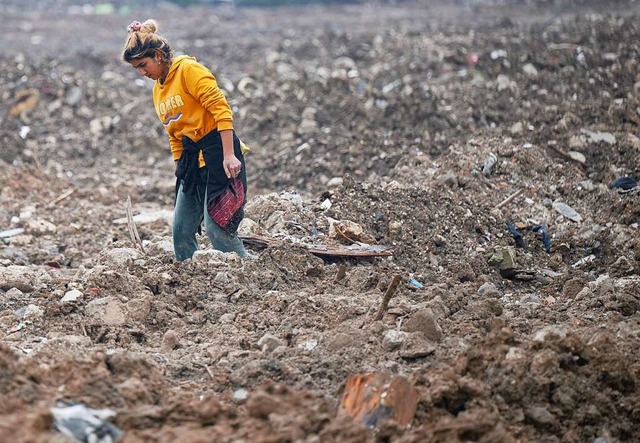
(149, 26)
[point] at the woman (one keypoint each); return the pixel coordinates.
(210, 170)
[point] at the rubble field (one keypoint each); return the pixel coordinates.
(482, 155)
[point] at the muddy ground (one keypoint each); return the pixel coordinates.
(415, 121)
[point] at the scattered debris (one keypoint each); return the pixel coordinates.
(372, 398)
(584, 261)
(624, 183)
(488, 164)
(517, 236)
(24, 101)
(11, 232)
(567, 211)
(86, 425)
(597, 136)
(544, 236)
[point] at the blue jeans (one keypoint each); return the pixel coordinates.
(187, 216)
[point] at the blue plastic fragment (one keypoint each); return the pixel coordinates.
(416, 283)
(624, 183)
(520, 243)
(546, 241)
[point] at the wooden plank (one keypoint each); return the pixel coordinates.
(324, 250)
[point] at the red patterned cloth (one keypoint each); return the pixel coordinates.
(227, 208)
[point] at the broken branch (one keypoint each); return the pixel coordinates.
(510, 198)
(387, 296)
(61, 197)
(131, 224)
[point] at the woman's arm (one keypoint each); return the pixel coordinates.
(230, 162)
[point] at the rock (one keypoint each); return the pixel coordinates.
(622, 266)
(464, 272)
(29, 311)
(448, 179)
(567, 211)
(169, 341)
(74, 96)
(269, 342)
(227, 318)
(307, 127)
(122, 257)
(13, 294)
(540, 416)
(602, 285)
(395, 229)
(488, 290)
(19, 277)
(138, 308)
(240, 395)
(552, 332)
(416, 346)
(222, 277)
(530, 70)
(72, 295)
(517, 128)
(503, 83)
(578, 157)
(424, 322)
(597, 136)
(106, 311)
(40, 227)
(393, 339)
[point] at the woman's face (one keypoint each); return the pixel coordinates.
(148, 67)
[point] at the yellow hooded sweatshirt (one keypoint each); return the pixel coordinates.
(190, 103)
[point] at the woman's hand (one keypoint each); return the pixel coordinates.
(230, 162)
(231, 165)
